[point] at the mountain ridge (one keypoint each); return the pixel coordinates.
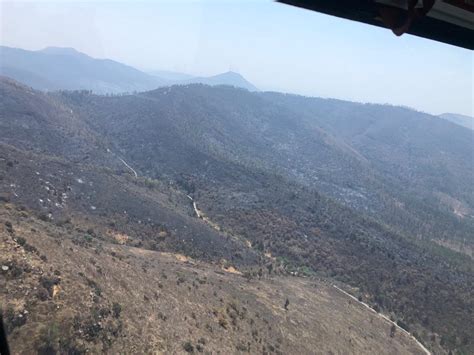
(461, 120)
(74, 71)
(63, 68)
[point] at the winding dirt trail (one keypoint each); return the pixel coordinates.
(386, 318)
(129, 167)
(123, 162)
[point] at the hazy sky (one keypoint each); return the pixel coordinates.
(275, 46)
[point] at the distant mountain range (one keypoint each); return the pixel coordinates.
(55, 68)
(170, 75)
(461, 120)
(65, 68)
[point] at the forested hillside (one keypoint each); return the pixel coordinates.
(408, 169)
(376, 198)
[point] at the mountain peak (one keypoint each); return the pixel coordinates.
(232, 73)
(230, 78)
(61, 51)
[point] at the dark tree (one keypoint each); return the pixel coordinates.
(392, 330)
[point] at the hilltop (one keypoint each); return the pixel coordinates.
(229, 78)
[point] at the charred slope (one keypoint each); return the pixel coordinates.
(140, 212)
(420, 151)
(309, 234)
(100, 297)
(244, 160)
(33, 121)
(424, 162)
(177, 129)
(393, 164)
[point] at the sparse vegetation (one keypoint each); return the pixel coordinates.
(13, 319)
(116, 309)
(188, 347)
(9, 226)
(21, 241)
